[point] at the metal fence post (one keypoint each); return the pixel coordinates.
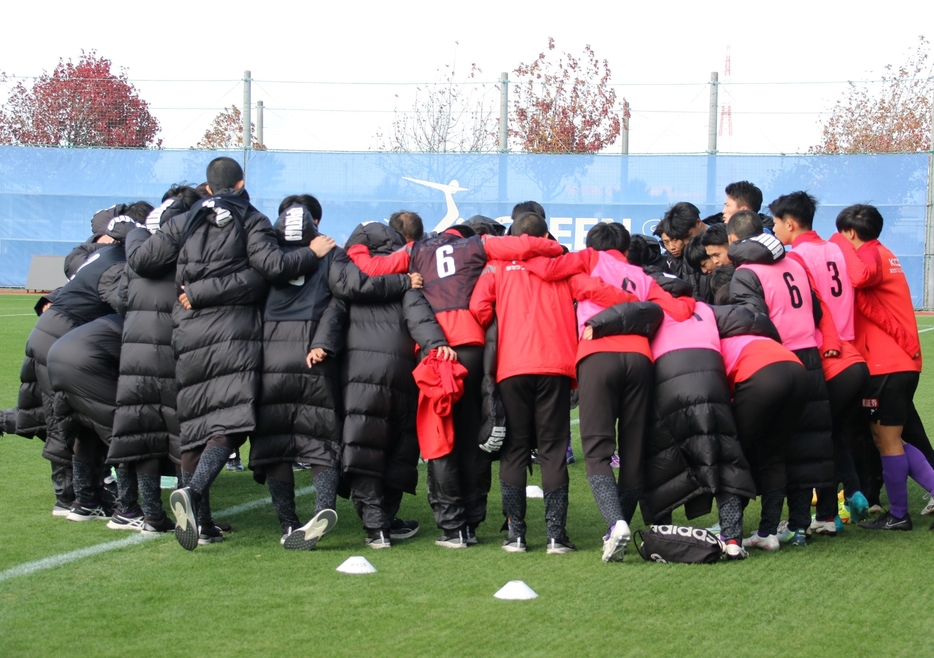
(246, 112)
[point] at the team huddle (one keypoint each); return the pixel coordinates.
(750, 358)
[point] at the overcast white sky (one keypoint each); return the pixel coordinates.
(660, 43)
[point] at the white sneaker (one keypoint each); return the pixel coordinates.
(929, 508)
(614, 544)
(769, 543)
(735, 552)
(826, 528)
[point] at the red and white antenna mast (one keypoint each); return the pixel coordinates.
(726, 111)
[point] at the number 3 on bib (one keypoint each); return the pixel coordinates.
(445, 261)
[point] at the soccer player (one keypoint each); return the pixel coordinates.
(768, 282)
(847, 375)
(680, 223)
(894, 372)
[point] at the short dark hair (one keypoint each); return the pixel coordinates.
(138, 211)
(530, 223)
(305, 200)
(409, 224)
(715, 235)
(609, 235)
(485, 226)
(223, 174)
(799, 205)
(189, 195)
(745, 194)
(661, 227)
(641, 250)
(745, 224)
(682, 218)
(720, 284)
(695, 253)
(866, 220)
(528, 206)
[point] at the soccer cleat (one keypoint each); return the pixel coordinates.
(453, 539)
(235, 465)
(734, 551)
(825, 528)
(560, 546)
(306, 537)
(223, 527)
(534, 456)
(514, 544)
(569, 454)
(378, 539)
(767, 543)
(929, 508)
(887, 521)
(471, 536)
(186, 525)
(858, 507)
(210, 535)
(61, 509)
(615, 542)
(875, 509)
(132, 521)
(783, 533)
(160, 527)
(798, 538)
(400, 529)
(81, 513)
(614, 461)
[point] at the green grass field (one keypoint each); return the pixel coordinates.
(859, 594)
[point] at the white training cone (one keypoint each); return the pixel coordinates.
(534, 491)
(356, 564)
(516, 590)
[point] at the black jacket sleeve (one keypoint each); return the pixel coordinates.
(48, 298)
(332, 328)
(269, 260)
(746, 290)
(348, 282)
(109, 285)
(421, 322)
(76, 257)
(742, 321)
(640, 318)
(243, 288)
(156, 256)
(673, 285)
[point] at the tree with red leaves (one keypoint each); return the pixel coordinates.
(893, 119)
(79, 104)
(226, 131)
(564, 105)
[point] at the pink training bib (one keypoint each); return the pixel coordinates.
(697, 332)
(788, 296)
(614, 272)
(827, 266)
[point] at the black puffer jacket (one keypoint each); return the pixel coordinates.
(380, 395)
(91, 294)
(299, 417)
(225, 251)
(145, 423)
(83, 370)
(809, 454)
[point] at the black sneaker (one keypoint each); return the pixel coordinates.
(471, 536)
(560, 546)
(306, 537)
(887, 521)
(514, 544)
(210, 535)
(182, 505)
(62, 509)
(223, 527)
(132, 520)
(378, 539)
(453, 539)
(89, 512)
(160, 527)
(400, 529)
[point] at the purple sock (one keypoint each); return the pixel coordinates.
(919, 468)
(895, 476)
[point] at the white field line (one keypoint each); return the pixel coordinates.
(72, 556)
(575, 421)
(921, 331)
(16, 315)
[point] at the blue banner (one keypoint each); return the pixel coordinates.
(48, 195)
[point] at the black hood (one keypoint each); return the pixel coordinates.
(295, 227)
(102, 218)
(482, 224)
(119, 227)
(762, 249)
(378, 237)
(170, 208)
